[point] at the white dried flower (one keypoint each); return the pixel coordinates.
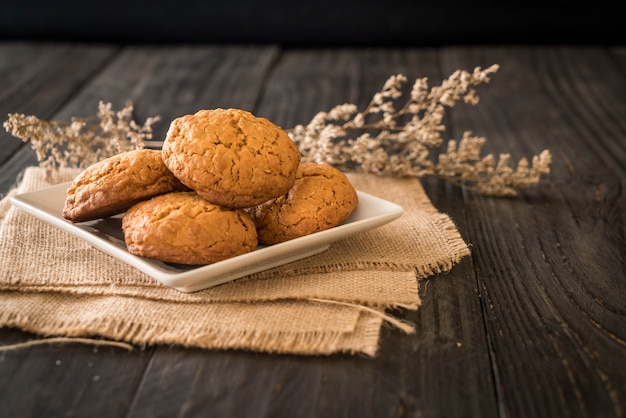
(404, 138)
(81, 142)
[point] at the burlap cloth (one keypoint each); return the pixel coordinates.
(54, 284)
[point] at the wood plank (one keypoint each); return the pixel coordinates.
(59, 380)
(36, 79)
(174, 81)
(39, 77)
(550, 262)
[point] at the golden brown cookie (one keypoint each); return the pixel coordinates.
(183, 228)
(321, 198)
(231, 157)
(114, 184)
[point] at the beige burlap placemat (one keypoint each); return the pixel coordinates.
(54, 284)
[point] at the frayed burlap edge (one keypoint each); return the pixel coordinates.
(361, 337)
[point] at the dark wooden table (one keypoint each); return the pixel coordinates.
(533, 324)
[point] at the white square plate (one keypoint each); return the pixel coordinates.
(106, 235)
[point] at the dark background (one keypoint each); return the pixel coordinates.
(307, 23)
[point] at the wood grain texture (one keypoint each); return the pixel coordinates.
(60, 380)
(550, 264)
(533, 324)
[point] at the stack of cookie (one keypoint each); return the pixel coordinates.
(224, 182)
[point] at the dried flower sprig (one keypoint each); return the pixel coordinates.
(81, 142)
(386, 141)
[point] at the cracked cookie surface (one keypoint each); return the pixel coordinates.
(112, 185)
(321, 198)
(231, 157)
(184, 228)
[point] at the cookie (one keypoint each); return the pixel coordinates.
(183, 228)
(112, 185)
(321, 198)
(231, 157)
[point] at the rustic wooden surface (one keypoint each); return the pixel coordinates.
(533, 324)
